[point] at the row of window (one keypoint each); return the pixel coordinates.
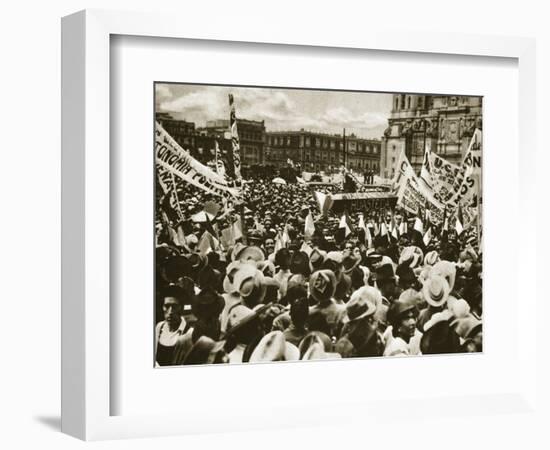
(319, 142)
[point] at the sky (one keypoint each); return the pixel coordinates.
(362, 113)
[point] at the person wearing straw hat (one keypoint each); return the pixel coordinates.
(436, 294)
(359, 331)
(243, 327)
(274, 347)
(322, 286)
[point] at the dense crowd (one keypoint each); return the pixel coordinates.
(314, 297)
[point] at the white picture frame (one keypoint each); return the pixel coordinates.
(86, 216)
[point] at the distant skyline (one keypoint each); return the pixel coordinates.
(362, 113)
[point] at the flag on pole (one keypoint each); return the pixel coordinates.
(237, 230)
(235, 143)
(459, 221)
(345, 228)
(309, 227)
(427, 236)
(220, 168)
(285, 237)
(418, 225)
(324, 201)
(207, 243)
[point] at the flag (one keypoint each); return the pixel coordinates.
(394, 231)
(285, 237)
(362, 229)
(427, 236)
(235, 144)
(445, 227)
(459, 221)
(220, 168)
(306, 248)
(403, 228)
(418, 225)
(207, 243)
(324, 201)
(237, 230)
(309, 227)
(344, 228)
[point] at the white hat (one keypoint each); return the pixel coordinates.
(436, 290)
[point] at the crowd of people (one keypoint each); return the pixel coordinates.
(306, 297)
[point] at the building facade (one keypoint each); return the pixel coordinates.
(443, 124)
(316, 152)
(252, 137)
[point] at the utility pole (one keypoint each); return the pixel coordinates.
(344, 149)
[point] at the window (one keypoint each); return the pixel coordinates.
(308, 141)
(409, 102)
(397, 103)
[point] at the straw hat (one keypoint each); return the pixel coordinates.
(317, 351)
(431, 258)
(363, 303)
(273, 347)
(322, 285)
(412, 256)
(249, 282)
(447, 270)
(251, 254)
(436, 290)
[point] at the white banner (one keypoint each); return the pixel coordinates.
(174, 159)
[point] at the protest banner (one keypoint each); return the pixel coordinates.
(177, 161)
(444, 175)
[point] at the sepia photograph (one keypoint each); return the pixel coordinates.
(300, 224)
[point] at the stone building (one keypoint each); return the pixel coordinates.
(444, 124)
(316, 152)
(252, 136)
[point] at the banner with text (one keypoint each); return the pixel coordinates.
(174, 159)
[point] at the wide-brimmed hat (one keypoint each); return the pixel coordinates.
(322, 285)
(316, 259)
(440, 338)
(315, 337)
(405, 273)
(274, 347)
(251, 254)
(447, 270)
(208, 304)
(230, 272)
(350, 262)
(467, 327)
(249, 282)
(384, 272)
(237, 248)
(239, 316)
(397, 309)
(431, 258)
(197, 261)
(316, 351)
(266, 267)
(205, 351)
(436, 290)
(412, 256)
(363, 303)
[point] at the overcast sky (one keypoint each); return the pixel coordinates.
(364, 114)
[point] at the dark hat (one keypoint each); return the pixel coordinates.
(208, 304)
(176, 267)
(209, 277)
(205, 351)
(405, 273)
(316, 259)
(385, 273)
(197, 261)
(299, 263)
(440, 338)
(350, 262)
(398, 309)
